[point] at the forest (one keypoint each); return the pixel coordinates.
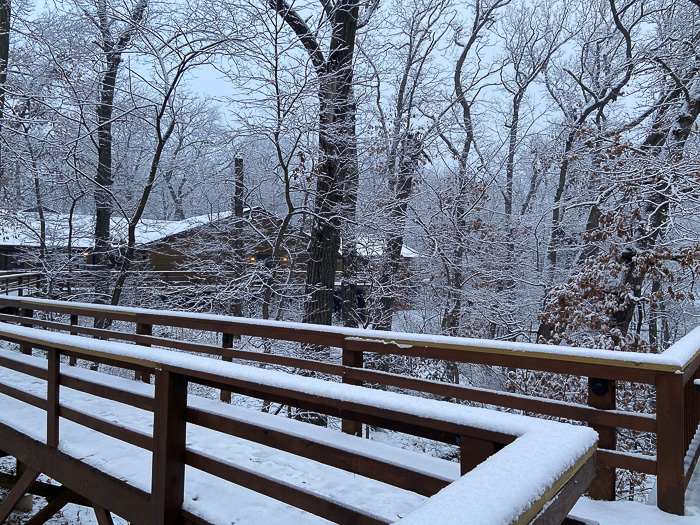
(537, 158)
(519, 170)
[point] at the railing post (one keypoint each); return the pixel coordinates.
(226, 342)
(72, 360)
(24, 348)
(670, 443)
(52, 396)
(19, 286)
(472, 452)
(355, 359)
(601, 394)
(169, 430)
(143, 329)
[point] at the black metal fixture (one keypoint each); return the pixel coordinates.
(598, 386)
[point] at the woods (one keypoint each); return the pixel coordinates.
(538, 158)
(514, 170)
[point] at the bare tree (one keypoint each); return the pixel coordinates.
(336, 193)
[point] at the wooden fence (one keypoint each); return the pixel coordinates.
(671, 374)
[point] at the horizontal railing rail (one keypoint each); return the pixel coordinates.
(480, 435)
(670, 373)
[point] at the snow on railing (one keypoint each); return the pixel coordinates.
(677, 404)
(540, 460)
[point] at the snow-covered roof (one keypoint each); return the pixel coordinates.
(371, 246)
(22, 229)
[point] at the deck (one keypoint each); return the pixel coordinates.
(220, 463)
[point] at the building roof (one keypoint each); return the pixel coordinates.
(22, 229)
(372, 247)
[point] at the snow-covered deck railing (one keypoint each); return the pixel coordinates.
(671, 373)
(515, 469)
(16, 283)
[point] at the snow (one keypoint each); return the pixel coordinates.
(204, 493)
(22, 229)
(425, 408)
(373, 247)
(627, 513)
(497, 491)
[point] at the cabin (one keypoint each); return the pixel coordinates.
(211, 245)
(203, 243)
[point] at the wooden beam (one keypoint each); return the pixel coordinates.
(103, 516)
(556, 511)
(670, 413)
(99, 487)
(63, 497)
(127, 397)
(25, 348)
(397, 475)
(324, 506)
(74, 321)
(473, 452)
(579, 475)
(428, 427)
(601, 395)
(226, 342)
(39, 488)
(18, 491)
(143, 329)
(169, 427)
(52, 398)
(352, 359)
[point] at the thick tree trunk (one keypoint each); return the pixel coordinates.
(401, 191)
(5, 12)
(337, 149)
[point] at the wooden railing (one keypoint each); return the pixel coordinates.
(572, 449)
(19, 282)
(670, 373)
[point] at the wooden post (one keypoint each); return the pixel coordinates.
(472, 452)
(670, 412)
(72, 360)
(26, 479)
(19, 286)
(25, 348)
(355, 359)
(226, 342)
(169, 429)
(52, 397)
(601, 394)
(143, 329)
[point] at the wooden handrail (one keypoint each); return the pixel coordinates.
(359, 339)
(173, 371)
(681, 363)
